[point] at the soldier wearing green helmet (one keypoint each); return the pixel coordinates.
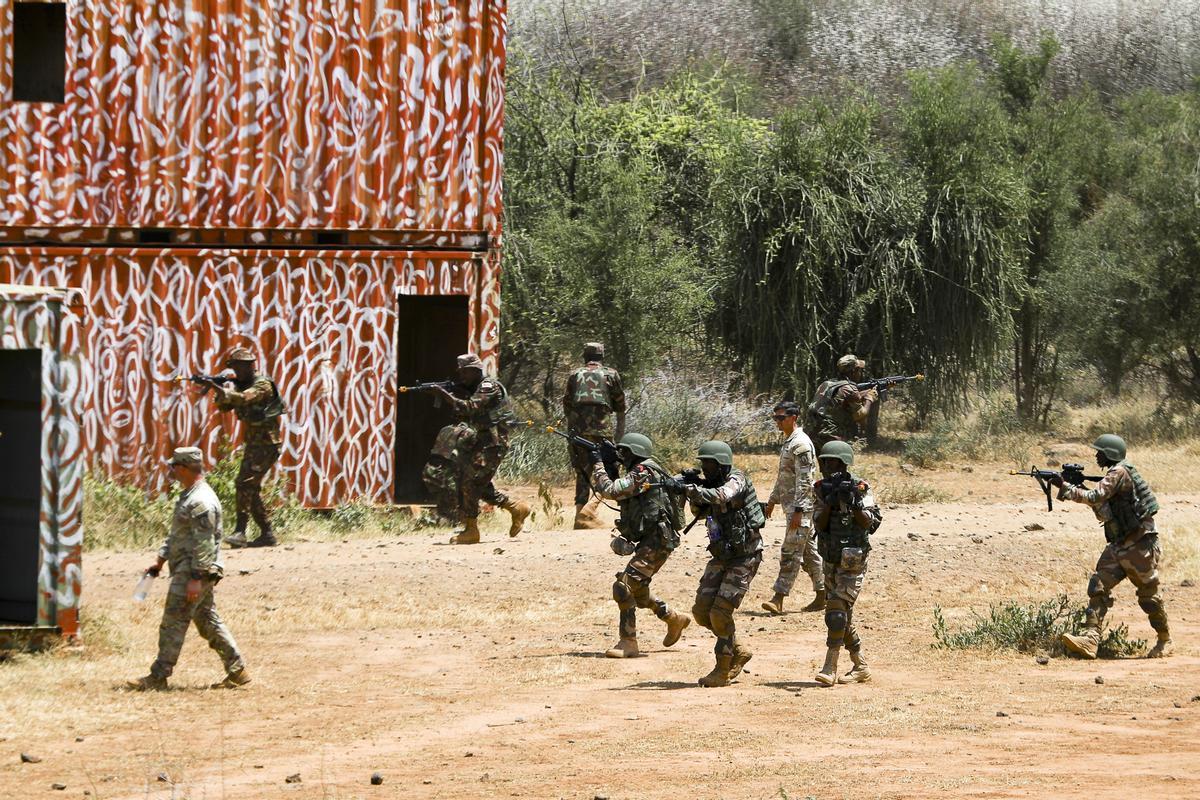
(649, 531)
(1125, 505)
(845, 516)
(725, 496)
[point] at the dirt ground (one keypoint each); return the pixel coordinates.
(475, 672)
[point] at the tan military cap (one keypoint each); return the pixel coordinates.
(593, 349)
(470, 361)
(240, 354)
(848, 363)
(187, 457)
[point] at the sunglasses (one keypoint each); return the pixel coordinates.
(780, 417)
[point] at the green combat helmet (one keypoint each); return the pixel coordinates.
(1112, 446)
(842, 451)
(718, 451)
(636, 443)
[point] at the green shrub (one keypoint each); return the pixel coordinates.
(1027, 628)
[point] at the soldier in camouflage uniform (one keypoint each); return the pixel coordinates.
(845, 517)
(256, 401)
(594, 394)
(1126, 506)
(443, 472)
(734, 518)
(485, 410)
(793, 491)
(838, 408)
(649, 531)
(193, 552)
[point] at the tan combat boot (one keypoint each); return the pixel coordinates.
(236, 540)
(626, 648)
(1083, 644)
(861, 672)
(818, 602)
(586, 517)
(469, 534)
(720, 673)
(741, 657)
(519, 512)
(775, 604)
(828, 675)
(676, 623)
(149, 683)
(1162, 648)
(233, 680)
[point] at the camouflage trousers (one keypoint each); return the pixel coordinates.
(582, 465)
(442, 479)
(843, 582)
(1138, 561)
(257, 460)
(722, 588)
(800, 550)
(632, 588)
(178, 613)
(477, 485)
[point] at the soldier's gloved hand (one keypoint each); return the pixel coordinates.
(595, 456)
(674, 486)
(1056, 480)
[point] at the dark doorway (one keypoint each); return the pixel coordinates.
(39, 52)
(431, 332)
(20, 483)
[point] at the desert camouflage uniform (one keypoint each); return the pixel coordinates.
(442, 474)
(260, 449)
(831, 413)
(193, 551)
(486, 412)
(734, 510)
(844, 547)
(594, 393)
(1133, 554)
(655, 541)
(793, 492)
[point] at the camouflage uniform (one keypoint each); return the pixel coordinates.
(486, 412)
(443, 472)
(594, 393)
(193, 551)
(844, 546)
(735, 518)
(1132, 552)
(258, 406)
(831, 412)
(646, 522)
(793, 492)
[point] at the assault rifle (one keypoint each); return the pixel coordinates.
(427, 387)
(604, 448)
(882, 385)
(205, 379)
(1071, 474)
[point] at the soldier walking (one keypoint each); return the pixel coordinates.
(256, 401)
(649, 531)
(838, 408)
(793, 492)
(1126, 506)
(594, 394)
(845, 517)
(193, 553)
(727, 498)
(485, 408)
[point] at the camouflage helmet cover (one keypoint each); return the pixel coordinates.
(842, 451)
(637, 444)
(716, 450)
(1112, 446)
(849, 362)
(239, 354)
(593, 350)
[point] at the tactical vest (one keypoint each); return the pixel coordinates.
(738, 523)
(650, 513)
(843, 531)
(272, 410)
(499, 414)
(453, 441)
(827, 418)
(591, 386)
(1130, 509)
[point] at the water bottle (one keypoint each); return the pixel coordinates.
(143, 588)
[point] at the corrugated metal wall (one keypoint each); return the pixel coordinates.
(263, 114)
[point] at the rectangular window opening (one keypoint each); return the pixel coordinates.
(154, 236)
(332, 237)
(39, 52)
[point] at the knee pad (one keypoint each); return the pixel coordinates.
(700, 613)
(721, 618)
(622, 595)
(1151, 605)
(1096, 587)
(835, 622)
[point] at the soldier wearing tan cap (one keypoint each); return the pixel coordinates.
(256, 401)
(838, 408)
(482, 403)
(193, 552)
